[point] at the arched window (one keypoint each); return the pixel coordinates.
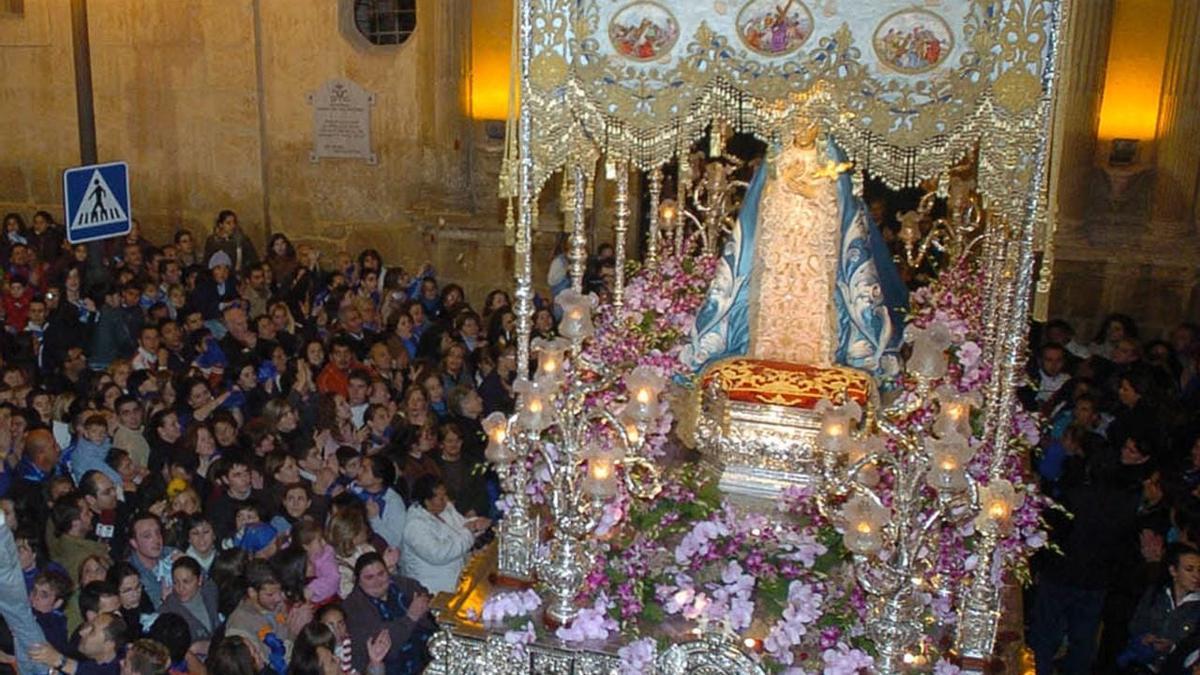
(385, 22)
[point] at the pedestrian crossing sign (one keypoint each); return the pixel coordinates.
(97, 201)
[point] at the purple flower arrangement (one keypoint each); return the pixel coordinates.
(688, 557)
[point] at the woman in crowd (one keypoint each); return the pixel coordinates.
(437, 537)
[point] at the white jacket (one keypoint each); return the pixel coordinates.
(389, 524)
(435, 547)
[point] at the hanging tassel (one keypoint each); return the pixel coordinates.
(510, 225)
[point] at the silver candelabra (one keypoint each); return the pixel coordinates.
(587, 449)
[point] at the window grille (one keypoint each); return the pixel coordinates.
(385, 22)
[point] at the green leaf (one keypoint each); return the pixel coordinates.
(653, 613)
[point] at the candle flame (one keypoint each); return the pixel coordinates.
(643, 395)
(601, 469)
(863, 527)
(631, 432)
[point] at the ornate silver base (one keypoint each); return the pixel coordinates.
(517, 537)
(465, 647)
(758, 450)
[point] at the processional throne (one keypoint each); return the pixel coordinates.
(807, 306)
(619, 91)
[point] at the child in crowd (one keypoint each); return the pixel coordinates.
(50, 591)
(349, 463)
(323, 584)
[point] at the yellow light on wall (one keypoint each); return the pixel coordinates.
(491, 52)
(1137, 53)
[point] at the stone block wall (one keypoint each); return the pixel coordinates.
(206, 101)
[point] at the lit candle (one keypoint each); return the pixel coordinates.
(836, 421)
(998, 511)
(865, 520)
(954, 411)
(551, 355)
(496, 428)
(948, 456)
(997, 500)
(632, 433)
(644, 385)
(535, 413)
(601, 470)
(576, 323)
(666, 213)
(601, 479)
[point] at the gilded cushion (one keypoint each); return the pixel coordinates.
(788, 384)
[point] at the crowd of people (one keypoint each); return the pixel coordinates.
(1120, 590)
(216, 461)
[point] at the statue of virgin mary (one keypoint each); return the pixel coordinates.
(805, 276)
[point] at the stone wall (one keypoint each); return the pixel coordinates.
(206, 101)
(1127, 235)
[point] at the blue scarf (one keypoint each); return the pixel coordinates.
(278, 652)
(378, 497)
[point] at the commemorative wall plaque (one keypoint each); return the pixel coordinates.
(341, 121)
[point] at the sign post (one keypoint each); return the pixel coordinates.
(97, 201)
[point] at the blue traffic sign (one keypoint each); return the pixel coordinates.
(97, 201)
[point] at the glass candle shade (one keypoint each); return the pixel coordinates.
(536, 410)
(948, 458)
(868, 475)
(929, 346)
(863, 522)
(644, 386)
(667, 211)
(576, 321)
(496, 428)
(997, 502)
(954, 411)
(837, 421)
(551, 355)
(601, 478)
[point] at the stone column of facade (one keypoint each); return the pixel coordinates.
(1078, 111)
(1178, 156)
(444, 39)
